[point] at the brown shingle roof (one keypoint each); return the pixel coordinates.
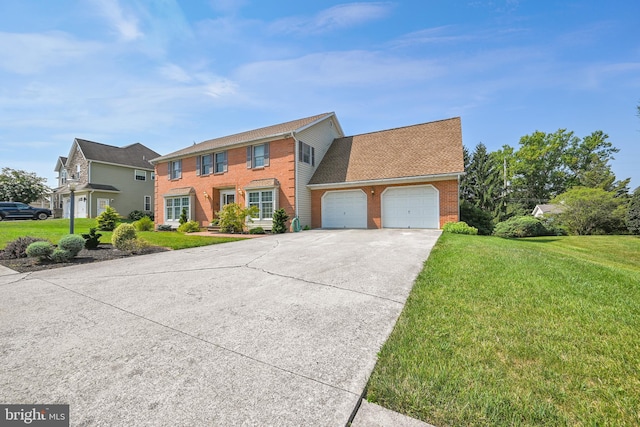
(135, 155)
(244, 137)
(433, 148)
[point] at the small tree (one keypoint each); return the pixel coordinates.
(108, 220)
(633, 214)
(183, 216)
(233, 217)
(21, 186)
(591, 211)
(280, 218)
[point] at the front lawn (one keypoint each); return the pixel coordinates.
(54, 229)
(528, 332)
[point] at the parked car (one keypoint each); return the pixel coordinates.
(17, 210)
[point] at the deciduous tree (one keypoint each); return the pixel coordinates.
(591, 211)
(21, 186)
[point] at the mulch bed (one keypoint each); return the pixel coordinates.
(103, 252)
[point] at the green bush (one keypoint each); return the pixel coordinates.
(232, 218)
(18, 248)
(61, 255)
(108, 220)
(476, 217)
(40, 250)
(280, 218)
(91, 239)
(256, 230)
(122, 237)
(144, 224)
(183, 216)
(164, 227)
(306, 227)
(521, 226)
(632, 220)
(137, 215)
(71, 243)
(459, 228)
(189, 227)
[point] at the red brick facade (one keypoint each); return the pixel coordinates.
(448, 193)
(238, 176)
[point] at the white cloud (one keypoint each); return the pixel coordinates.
(175, 73)
(31, 53)
(336, 17)
(124, 22)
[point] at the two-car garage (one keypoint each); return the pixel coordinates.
(400, 207)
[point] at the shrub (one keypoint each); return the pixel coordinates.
(122, 236)
(256, 230)
(280, 218)
(137, 215)
(164, 227)
(476, 217)
(71, 243)
(40, 250)
(91, 239)
(183, 216)
(306, 227)
(520, 226)
(189, 227)
(18, 248)
(144, 224)
(232, 218)
(632, 219)
(61, 255)
(459, 228)
(108, 220)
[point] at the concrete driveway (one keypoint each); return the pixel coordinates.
(279, 331)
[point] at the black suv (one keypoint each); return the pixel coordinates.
(17, 210)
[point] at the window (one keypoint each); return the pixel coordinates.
(220, 162)
(174, 206)
(153, 176)
(77, 172)
(147, 203)
(264, 201)
(175, 169)
(204, 164)
(306, 153)
(140, 175)
(257, 156)
(63, 176)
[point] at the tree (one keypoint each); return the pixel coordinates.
(591, 211)
(482, 183)
(633, 214)
(21, 186)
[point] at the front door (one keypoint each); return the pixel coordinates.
(227, 197)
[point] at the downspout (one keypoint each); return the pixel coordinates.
(295, 171)
(458, 201)
(90, 203)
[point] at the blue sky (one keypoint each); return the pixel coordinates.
(167, 73)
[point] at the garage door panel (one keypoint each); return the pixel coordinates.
(410, 207)
(344, 209)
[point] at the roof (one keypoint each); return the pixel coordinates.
(433, 148)
(134, 155)
(278, 130)
(549, 209)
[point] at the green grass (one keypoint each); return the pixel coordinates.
(54, 229)
(530, 332)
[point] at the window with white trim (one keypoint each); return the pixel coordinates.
(147, 203)
(306, 153)
(258, 156)
(204, 164)
(140, 175)
(63, 176)
(153, 176)
(174, 206)
(220, 162)
(175, 169)
(263, 199)
(78, 170)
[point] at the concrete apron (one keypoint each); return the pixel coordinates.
(282, 330)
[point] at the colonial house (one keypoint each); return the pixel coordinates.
(104, 175)
(400, 178)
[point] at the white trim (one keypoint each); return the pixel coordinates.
(395, 187)
(385, 181)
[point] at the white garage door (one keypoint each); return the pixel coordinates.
(410, 207)
(344, 209)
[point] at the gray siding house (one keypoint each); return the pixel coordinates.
(104, 175)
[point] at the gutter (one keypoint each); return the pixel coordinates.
(382, 181)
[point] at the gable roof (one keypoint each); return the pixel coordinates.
(279, 130)
(548, 209)
(134, 155)
(428, 149)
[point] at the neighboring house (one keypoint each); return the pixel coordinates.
(104, 175)
(541, 210)
(405, 177)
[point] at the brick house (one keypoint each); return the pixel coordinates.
(309, 168)
(104, 175)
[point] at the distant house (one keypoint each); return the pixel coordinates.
(104, 175)
(541, 210)
(398, 178)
